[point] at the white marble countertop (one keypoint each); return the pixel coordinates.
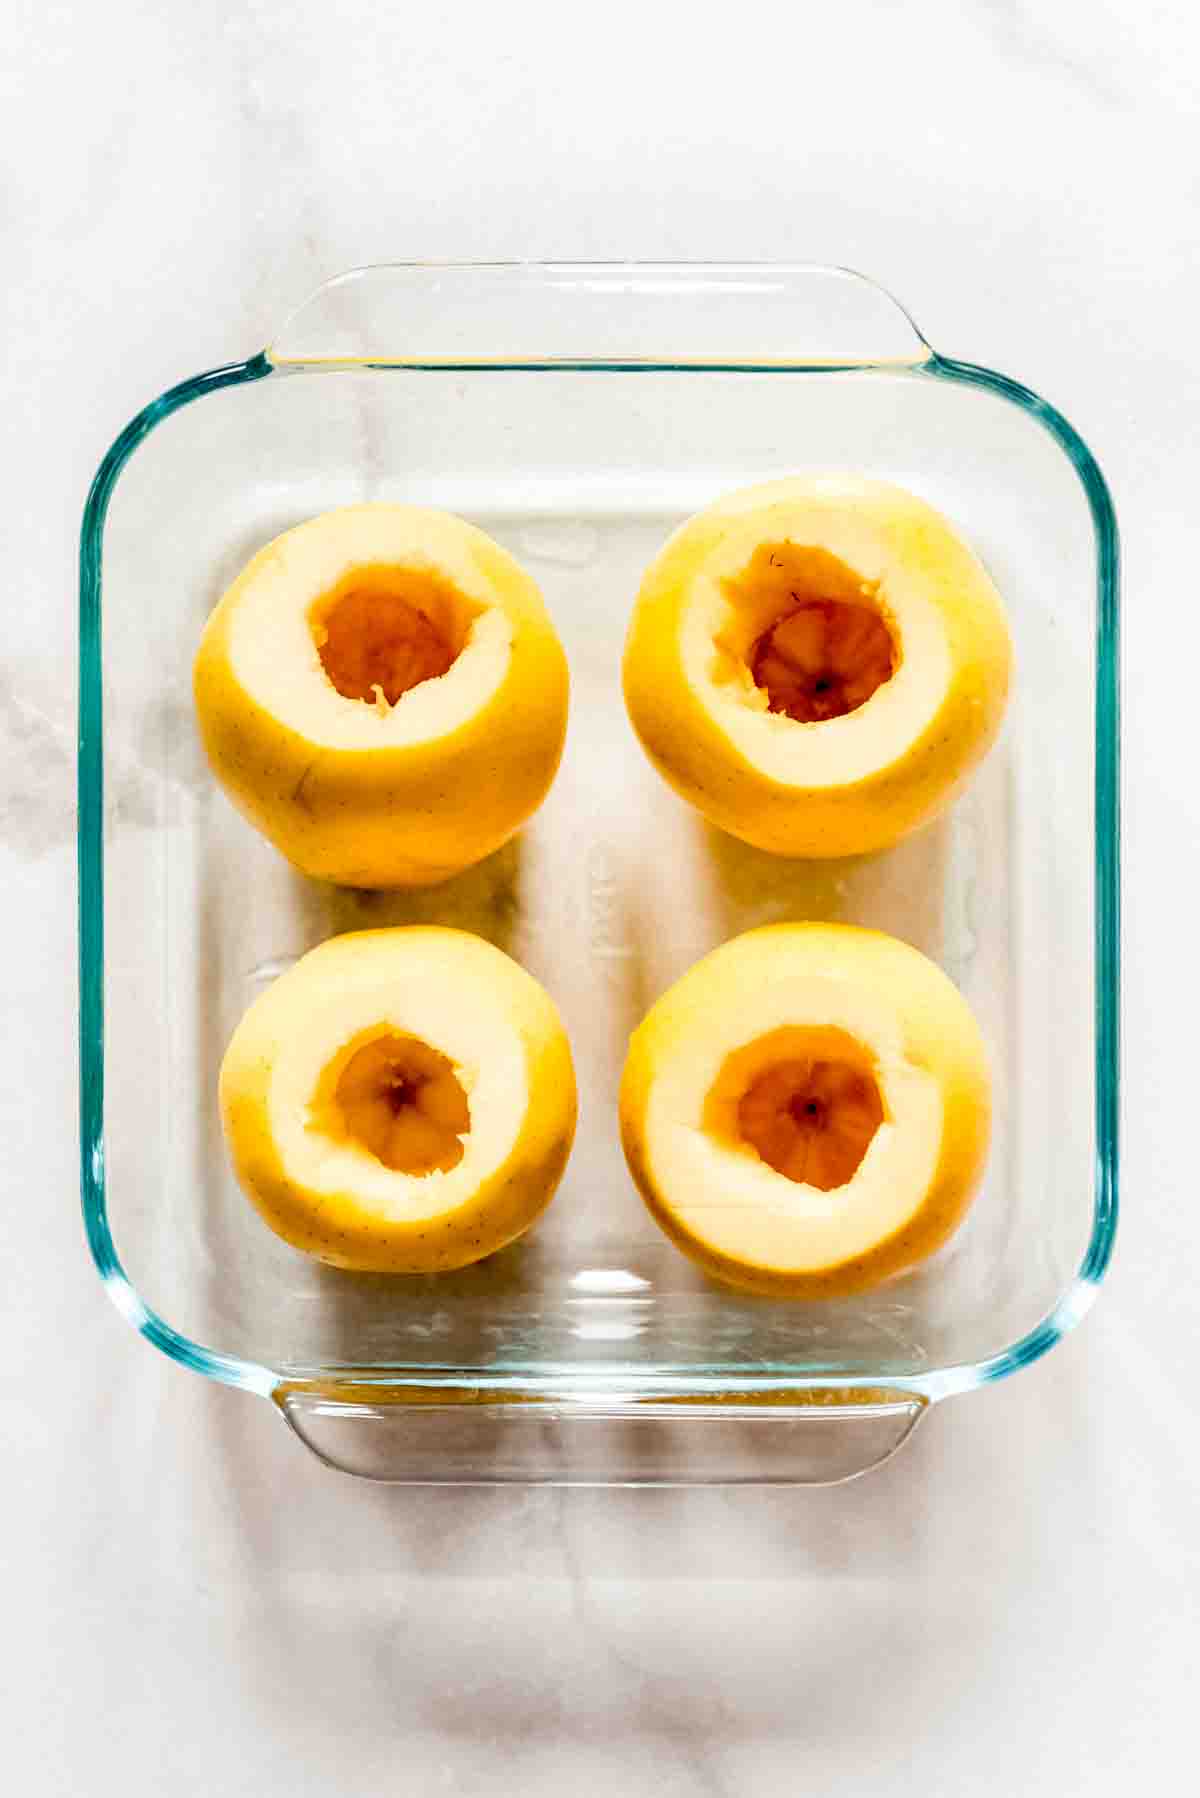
(193, 1605)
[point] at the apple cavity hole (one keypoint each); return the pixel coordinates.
(815, 639)
(804, 1099)
(401, 1101)
(383, 630)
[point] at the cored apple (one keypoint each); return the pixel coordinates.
(806, 1112)
(400, 1100)
(382, 693)
(817, 664)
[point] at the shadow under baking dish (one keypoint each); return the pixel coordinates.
(578, 414)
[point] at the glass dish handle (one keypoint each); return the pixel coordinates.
(431, 1436)
(562, 315)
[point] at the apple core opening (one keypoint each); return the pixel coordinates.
(804, 1099)
(400, 1100)
(815, 639)
(384, 630)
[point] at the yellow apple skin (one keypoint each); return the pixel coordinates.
(337, 1226)
(409, 814)
(698, 758)
(938, 1035)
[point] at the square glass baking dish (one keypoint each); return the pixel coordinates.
(578, 413)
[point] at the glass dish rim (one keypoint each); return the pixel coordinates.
(565, 1380)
